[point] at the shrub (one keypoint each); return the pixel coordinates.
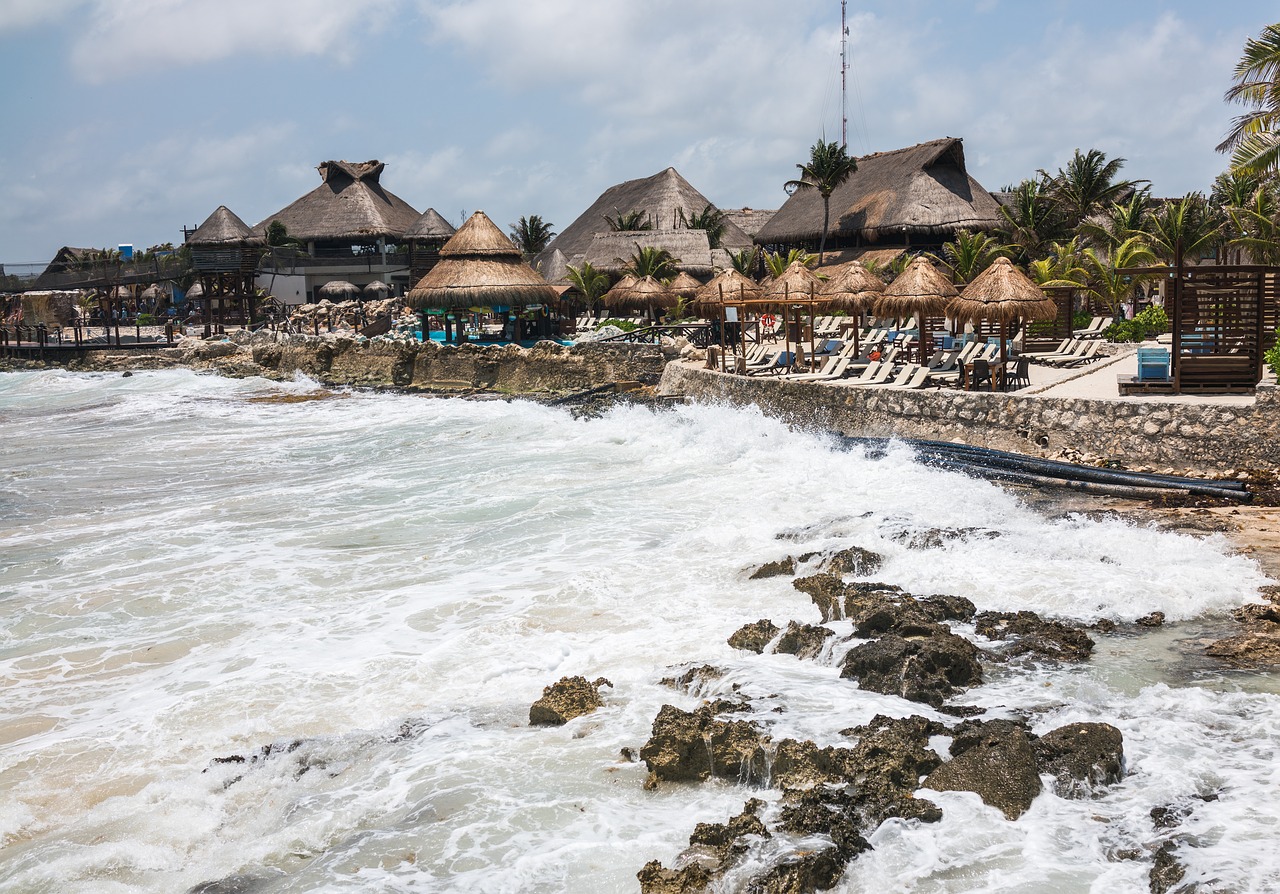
(1273, 356)
(146, 320)
(1148, 324)
(624, 325)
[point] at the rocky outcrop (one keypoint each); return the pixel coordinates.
(693, 746)
(754, 637)
(1029, 634)
(803, 640)
(1166, 872)
(566, 699)
(854, 560)
(780, 568)
(995, 760)
(1259, 644)
(713, 849)
(928, 669)
(694, 678)
(1081, 757)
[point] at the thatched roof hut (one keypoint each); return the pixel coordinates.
(749, 220)
(610, 252)
(1002, 293)
(376, 289)
(480, 266)
(224, 244)
(338, 290)
(350, 204)
(661, 198)
(196, 291)
(921, 194)
(852, 287)
(920, 289)
(684, 285)
(639, 294)
(729, 285)
(431, 225)
(222, 228)
(797, 283)
(556, 269)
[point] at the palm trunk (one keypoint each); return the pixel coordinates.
(826, 213)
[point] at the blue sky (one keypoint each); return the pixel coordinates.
(125, 121)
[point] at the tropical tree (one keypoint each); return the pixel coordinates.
(1087, 183)
(629, 222)
(1256, 227)
(1191, 221)
(592, 283)
(1032, 219)
(710, 218)
(1254, 138)
(777, 263)
(828, 167)
(1118, 221)
(971, 253)
(1063, 268)
(745, 261)
(652, 261)
(531, 234)
(1107, 280)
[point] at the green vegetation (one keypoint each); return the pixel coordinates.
(1272, 357)
(828, 167)
(652, 261)
(1145, 325)
(629, 222)
(531, 234)
(970, 254)
(711, 219)
(1254, 138)
(624, 325)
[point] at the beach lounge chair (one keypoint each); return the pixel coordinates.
(872, 370)
(1088, 355)
(874, 375)
(1068, 349)
(828, 365)
(1076, 350)
(911, 376)
(828, 373)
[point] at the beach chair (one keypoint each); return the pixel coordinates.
(1062, 347)
(827, 366)
(872, 369)
(920, 377)
(1088, 355)
(1073, 348)
(1077, 350)
(873, 375)
(781, 363)
(829, 372)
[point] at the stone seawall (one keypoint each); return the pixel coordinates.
(1200, 437)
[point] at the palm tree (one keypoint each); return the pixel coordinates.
(1107, 281)
(1190, 221)
(1032, 220)
(1256, 227)
(1086, 184)
(592, 283)
(651, 261)
(828, 167)
(971, 253)
(711, 219)
(629, 222)
(1063, 268)
(1118, 221)
(531, 234)
(745, 261)
(1254, 138)
(777, 263)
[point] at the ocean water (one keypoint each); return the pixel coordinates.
(378, 586)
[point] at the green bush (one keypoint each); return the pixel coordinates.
(1273, 356)
(624, 325)
(1148, 324)
(146, 320)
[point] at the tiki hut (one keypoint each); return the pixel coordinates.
(920, 290)
(642, 294)
(660, 199)
(225, 254)
(918, 196)
(376, 289)
(349, 207)
(339, 290)
(797, 283)
(853, 289)
(684, 285)
(480, 266)
(1003, 294)
(611, 252)
(729, 285)
(425, 237)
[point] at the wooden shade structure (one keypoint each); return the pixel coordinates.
(684, 285)
(639, 294)
(728, 284)
(920, 290)
(1003, 294)
(852, 288)
(338, 290)
(797, 285)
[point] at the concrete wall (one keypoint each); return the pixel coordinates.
(1184, 436)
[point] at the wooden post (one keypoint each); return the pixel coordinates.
(1176, 352)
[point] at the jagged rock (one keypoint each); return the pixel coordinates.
(994, 759)
(713, 848)
(1032, 635)
(902, 617)
(948, 608)
(693, 746)
(1166, 871)
(1259, 647)
(657, 879)
(566, 699)
(694, 678)
(754, 637)
(1103, 625)
(774, 569)
(1258, 613)
(1155, 619)
(802, 764)
(233, 884)
(803, 640)
(1168, 817)
(726, 838)
(936, 538)
(827, 592)
(1081, 757)
(923, 670)
(800, 873)
(854, 560)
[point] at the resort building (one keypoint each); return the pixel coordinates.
(917, 197)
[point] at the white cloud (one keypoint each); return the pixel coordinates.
(118, 39)
(18, 14)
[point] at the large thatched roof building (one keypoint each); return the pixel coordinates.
(349, 206)
(224, 244)
(661, 199)
(480, 266)
(918, 196)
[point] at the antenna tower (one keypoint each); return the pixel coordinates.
(844, 67)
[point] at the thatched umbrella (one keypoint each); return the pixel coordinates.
(684, 285)
(920, 290)
(376, 289)
(639, 294)
(1003, 294)
(479, 265)
(339, 290)
(196, 291)
(729, 285)
(852, 288)
(797, 284)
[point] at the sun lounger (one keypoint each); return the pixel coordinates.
(828, 373)
(1088, 355)
(826, 368)
(1063, 349)
(874, 375)
(919, 377)
(1076, 350)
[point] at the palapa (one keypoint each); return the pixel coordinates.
(684, 285)
(377, 288)
(643, 294)
(797, 283)
(920, 289)
(480, 266)
(351, 204)
(727, 286)
(852, 287)
(154, 293)
(619, 293)
(1002, 293)
(339, 289)
(196, 291)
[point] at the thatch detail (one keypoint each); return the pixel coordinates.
(556, 269)
(154, 293)
(797, 283)
(350, 204)
(222, 227)
(661, 197)
(852, 287)
(480, 266)
(920, 289)
(196, 291)
(338, 290)
(684, 285)
(610, 252)
(639, 294)
(430, 226)
(729, 285)
(376, 289)
(749, 220)
(1002, 293)
(479, 236)
(922, 190)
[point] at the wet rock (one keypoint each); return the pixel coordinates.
(1168, 817)
(854, 561)
(693, 746)
(754, 637)
(803, 640)
(727, 838)
(948, 608)
(800, 873)
(1258, 613)
(1103, 625)
(884, 768)
(694, 678)
(994, 759)
(1166, 871)
(827, 592)
(1155, 619)
(566, 699)
(774, 569)
(657, 879)
(902, 617)
(1029, 634)
(713, 848)
(925, 670)
(233, 884)
(1081, 757)
(936, 538)
(802, 764)
(1259, 647)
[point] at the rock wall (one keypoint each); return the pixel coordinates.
(1184, 436)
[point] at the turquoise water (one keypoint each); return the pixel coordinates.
(195, 568)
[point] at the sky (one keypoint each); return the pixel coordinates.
(125, 121)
